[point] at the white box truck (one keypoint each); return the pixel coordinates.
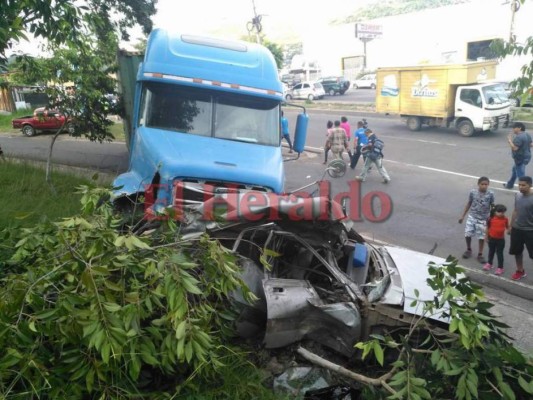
(458, 95)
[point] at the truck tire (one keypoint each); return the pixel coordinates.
(28, 130)
(465, 128)
(414, 123)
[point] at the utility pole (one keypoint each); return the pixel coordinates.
(515, 5)
(255, 24)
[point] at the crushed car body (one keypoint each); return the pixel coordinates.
(317, 278)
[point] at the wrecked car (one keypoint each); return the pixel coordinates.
(319, 279)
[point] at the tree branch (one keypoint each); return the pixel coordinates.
(315, 359)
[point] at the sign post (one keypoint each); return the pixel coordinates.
(366, 33)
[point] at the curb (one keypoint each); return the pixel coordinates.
(515, 288)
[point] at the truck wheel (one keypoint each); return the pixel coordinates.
(70, 128)
(465, 128)
(28, 130)
(414, 123)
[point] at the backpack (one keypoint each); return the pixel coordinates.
(377, 149)
(378, 145)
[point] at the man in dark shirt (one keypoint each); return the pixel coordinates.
(522, 225)
(520, 143)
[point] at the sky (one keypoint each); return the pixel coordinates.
(281, 18)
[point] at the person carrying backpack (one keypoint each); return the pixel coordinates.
(373, 151)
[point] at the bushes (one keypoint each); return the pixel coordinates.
(86, 311)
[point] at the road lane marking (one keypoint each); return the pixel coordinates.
(443, 171)
(420, 140)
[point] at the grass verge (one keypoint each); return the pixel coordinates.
(26, 198)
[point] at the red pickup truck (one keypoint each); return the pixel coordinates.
(42, 120)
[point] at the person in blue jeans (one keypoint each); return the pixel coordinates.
(359, 141)
(520, 143)
(285, 131)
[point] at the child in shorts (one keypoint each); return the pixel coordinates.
(480, 201)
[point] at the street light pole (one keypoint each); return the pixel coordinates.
(515, 5)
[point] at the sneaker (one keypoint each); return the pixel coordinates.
(487, 267)
(498, 271)
(386, 180)
(467, 254)
(481, 259)
(518, 275)
(359, 178)
(507, 187)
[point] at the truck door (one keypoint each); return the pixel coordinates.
(469, 104)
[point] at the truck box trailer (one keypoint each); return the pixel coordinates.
(459, 95)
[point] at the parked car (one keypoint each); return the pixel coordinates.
(366, 81)
(42, 120)
(290, 79)
(332, 86)
(306, 90)
(341, 81)
(285, 90)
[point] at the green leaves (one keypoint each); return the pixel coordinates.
(89, 309)
(473, 359)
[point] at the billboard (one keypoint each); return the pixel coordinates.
(368, 31)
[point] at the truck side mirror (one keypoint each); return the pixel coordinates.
(300, 132)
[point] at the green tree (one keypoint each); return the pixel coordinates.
(66, 21)
(522, 85)
(83, 40)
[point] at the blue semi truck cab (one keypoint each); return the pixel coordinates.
(205, 115)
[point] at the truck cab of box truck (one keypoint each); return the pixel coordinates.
(481, 108)
(205, 118)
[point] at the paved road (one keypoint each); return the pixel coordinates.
(432, 172)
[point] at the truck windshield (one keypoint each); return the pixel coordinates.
(495, 94)
(211, 113)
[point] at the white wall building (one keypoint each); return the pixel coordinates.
(433, 36)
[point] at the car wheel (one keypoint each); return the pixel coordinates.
(372, 86)
(70, 128)
(355, 86)
(331, 92)
(414, 123)
(311, 97)
(28, 130)
(514, 102)
(288, 97)
(465, 128)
